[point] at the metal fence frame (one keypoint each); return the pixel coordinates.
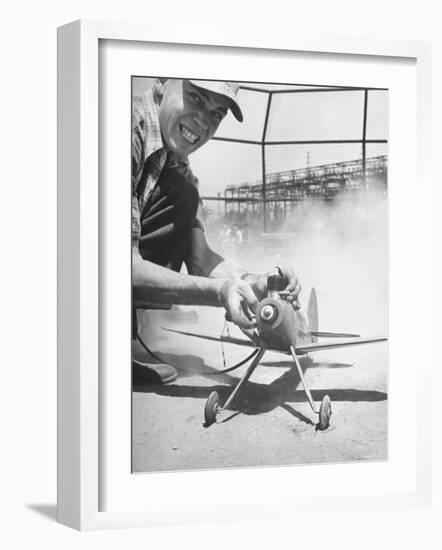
(264, 143)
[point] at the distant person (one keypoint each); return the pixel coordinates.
(237, 235)
(225, 236)
(246, 234)
(171, 121)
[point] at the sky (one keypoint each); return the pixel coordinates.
(314, 115)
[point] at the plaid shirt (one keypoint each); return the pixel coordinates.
(150, 155)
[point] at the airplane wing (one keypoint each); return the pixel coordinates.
(323, 334)
(226, 339)
(300, 350)
(307, 348)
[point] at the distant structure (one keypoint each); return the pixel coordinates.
(324, 182)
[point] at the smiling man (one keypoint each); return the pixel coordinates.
(171, 121)
(189, 114)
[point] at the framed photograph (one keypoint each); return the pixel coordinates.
(234, 228)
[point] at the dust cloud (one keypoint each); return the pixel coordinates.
(340, 247)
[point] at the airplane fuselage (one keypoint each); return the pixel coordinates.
(280, 326)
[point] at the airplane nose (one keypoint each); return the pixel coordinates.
(268, 313)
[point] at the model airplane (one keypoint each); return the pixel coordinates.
(281, 328)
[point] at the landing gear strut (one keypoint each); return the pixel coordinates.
(212, 408)
(324, 411)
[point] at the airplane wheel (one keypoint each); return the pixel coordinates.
(325, 413)
(211, 408)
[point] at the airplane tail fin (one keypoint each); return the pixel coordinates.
(312, 313)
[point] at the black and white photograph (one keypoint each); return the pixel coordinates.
(259, 274)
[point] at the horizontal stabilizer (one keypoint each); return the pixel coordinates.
(226, 339)
(323, 334)
(307, 348)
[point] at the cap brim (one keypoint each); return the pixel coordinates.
(236, 111)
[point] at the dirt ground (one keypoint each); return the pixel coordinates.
(270, 422)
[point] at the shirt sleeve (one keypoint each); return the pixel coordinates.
(138, 151)
(139, 129)
(136, 224)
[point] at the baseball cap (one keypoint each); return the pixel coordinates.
(224, 88)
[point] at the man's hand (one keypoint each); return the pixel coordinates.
(240, 303)
(293, 287)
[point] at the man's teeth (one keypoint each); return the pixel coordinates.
(188, 135)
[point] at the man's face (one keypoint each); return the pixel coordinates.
(189, 116)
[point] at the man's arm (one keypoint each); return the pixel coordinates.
(154, 284)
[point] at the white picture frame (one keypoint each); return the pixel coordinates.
(79, 273)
